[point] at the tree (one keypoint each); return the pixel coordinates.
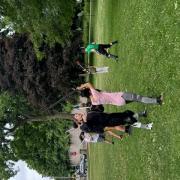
(24, 136)
(16, 112)
(44, 26)
(42, 82)
(7, 157)
(48, 20)
(44, 147)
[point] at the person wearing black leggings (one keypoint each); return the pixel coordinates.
(101, 49)
(99, 122)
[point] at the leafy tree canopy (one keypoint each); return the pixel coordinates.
(44, 146)
(48, 20)
(42, 82)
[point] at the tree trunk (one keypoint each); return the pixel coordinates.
(57, 116)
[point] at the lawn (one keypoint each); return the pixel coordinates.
(149, 64)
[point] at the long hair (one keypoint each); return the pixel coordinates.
(86, 92)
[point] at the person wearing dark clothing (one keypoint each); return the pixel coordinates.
(101, 49)
(98, 122)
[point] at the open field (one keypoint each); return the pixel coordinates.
(149, 64)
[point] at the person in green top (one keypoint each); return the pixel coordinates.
(91, 47)
(101, 49)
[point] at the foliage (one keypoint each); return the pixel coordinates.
(44, 146)
(68, 107)
(148, 64)
(6, 168)
(13, 107)
(48, 20)
(41, 82)
(47, 27)
(10, 110)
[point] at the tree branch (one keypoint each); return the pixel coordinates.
(56, 116)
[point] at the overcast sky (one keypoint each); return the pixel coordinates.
(27, 174)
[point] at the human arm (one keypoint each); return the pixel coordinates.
(85, 86)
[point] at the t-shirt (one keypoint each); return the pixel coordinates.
(96, 122)
(91, 46)
(114, 98)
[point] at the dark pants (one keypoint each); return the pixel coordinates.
(125, 118)
(102, 50)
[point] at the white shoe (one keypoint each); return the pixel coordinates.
(137, 124)
(149, 126)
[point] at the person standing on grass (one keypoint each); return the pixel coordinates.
(115, 98)
(92, 69)
(99, 122)
(102, 49)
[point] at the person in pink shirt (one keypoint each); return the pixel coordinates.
(115, 98)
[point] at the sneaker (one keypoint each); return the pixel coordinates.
(149, 126)
(136, 124)
(160, 99)
(114, 42)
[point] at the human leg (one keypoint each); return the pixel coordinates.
(114, 42)
(105, 46)
(108, 142)
(102, 50)
(128, 129)
(102, 138)
(140, 114)
(138, 98)
(112, 56)
(143, 126)
(114, 135)
(123, 118)
(102, 69)
(120, 128)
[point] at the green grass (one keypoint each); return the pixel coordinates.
(148, 50)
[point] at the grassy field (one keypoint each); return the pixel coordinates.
(149, 64)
